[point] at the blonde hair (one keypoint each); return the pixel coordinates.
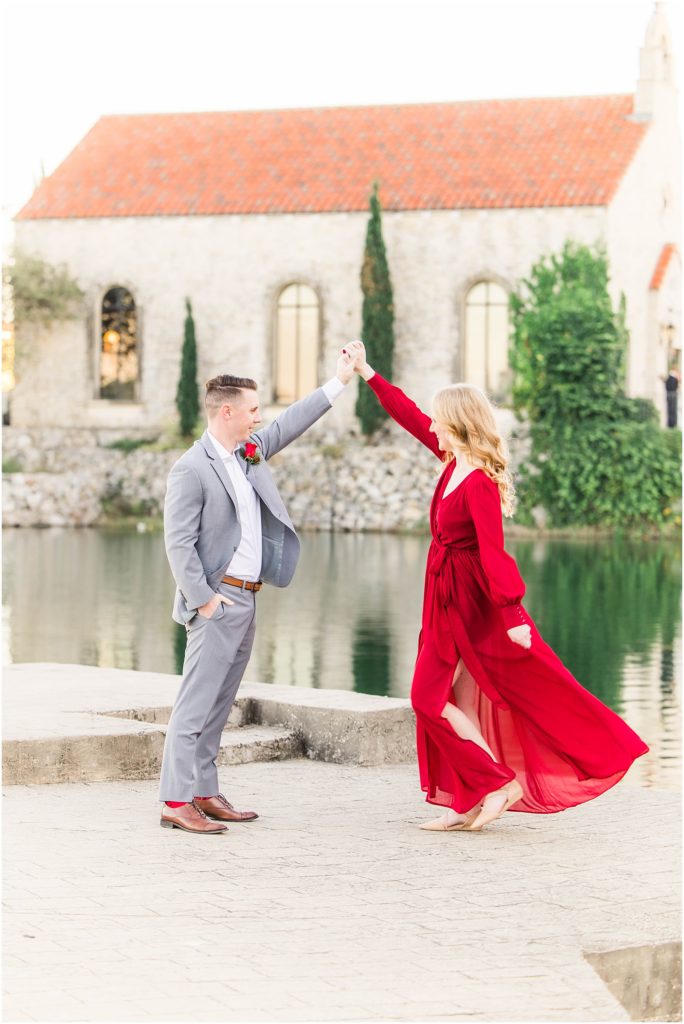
(468, 415)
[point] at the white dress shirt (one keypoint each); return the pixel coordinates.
(246, 562)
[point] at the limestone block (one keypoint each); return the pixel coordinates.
(338, 726)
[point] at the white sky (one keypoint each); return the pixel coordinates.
(66, 64)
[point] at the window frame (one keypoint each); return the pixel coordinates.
(275, 307)
(485, 277)
(97, 345)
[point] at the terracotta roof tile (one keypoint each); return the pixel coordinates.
(493, 153)
(661, 266)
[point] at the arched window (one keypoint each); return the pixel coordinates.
(297, 343)
(119, 357)
(486, 339)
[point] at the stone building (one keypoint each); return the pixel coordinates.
(260, 217)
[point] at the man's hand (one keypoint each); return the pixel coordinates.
(208, 609)
(345, 367)
(357, 351)
(521, 635)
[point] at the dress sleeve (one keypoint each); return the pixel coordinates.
(506, 586)
(405, 412)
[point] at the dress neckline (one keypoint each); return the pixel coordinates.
(445, 496)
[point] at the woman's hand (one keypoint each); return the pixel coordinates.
(345, 367)
(521, 635)
(357, 351)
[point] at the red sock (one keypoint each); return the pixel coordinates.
(176, 803)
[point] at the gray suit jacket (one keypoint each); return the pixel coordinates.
(201, 519)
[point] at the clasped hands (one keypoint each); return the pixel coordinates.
(353, 359)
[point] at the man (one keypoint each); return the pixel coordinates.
(226, 530)
(671, 388)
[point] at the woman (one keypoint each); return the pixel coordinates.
(501, 723)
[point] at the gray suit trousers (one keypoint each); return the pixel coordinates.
(216, 657)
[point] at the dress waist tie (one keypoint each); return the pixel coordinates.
(450, 633)
(444, 568)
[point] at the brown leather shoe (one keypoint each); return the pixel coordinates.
(218, 807)
(190, 818)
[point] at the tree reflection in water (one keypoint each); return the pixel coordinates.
(351, 617)
(372, 656)
(598, 605)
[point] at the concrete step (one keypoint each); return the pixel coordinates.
(118, 755)
(239, 714)
(78, 723)
(259, 743)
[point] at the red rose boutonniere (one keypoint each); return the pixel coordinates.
(250, 453)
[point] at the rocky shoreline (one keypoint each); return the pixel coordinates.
(74, 478)
(69, 479)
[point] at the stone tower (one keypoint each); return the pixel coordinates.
(656, 83)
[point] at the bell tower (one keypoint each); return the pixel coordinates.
(656, 85)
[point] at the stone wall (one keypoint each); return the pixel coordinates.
(68, 479)
(233, 268)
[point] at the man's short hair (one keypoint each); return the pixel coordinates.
(225, 389)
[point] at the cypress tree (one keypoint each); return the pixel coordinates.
(187, 396)
(378, 316)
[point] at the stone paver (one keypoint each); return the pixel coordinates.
(332, 906)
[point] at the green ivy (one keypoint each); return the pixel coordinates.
(42, 293)
(130, 444)
(568, 344)
(603, 472)
(598, 457)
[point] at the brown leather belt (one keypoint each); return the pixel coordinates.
(242, 584)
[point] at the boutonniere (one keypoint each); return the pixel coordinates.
(251, 454)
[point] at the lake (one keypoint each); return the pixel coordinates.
(350, 619)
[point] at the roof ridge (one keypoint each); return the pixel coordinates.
(369, 106)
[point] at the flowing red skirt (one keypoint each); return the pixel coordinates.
(561, 743)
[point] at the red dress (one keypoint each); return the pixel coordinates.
(561, 743)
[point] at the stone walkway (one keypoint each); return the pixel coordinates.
(332, 906)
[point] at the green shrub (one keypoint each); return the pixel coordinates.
(12, 466)
(598, 457)
(116, 506)
(129, 444)
(41, 292)
(568, 345)
(640, 410)
(614, 473)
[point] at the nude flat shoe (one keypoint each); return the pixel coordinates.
(512, 790)
(437, 825)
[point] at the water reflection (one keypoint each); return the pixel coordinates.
(350, 619)
(372, 655)
(595, 602)
(612, 613)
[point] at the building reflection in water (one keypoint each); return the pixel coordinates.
(351, 617)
